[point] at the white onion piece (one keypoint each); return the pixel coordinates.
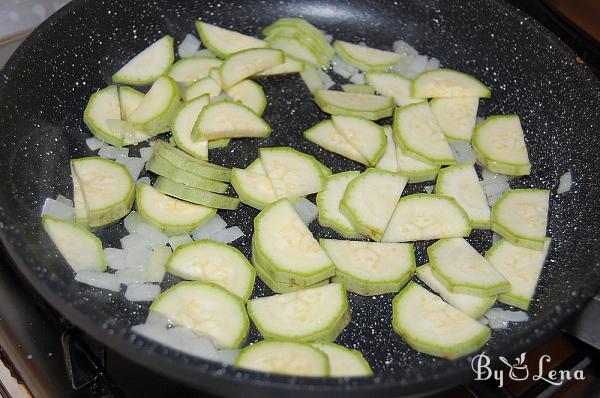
(94, 143)
(463, 152)
(134, 165)
(326, 79)
(362, 44)
(97, 279)
(342, 68)
(483, 320)
(115, 258)
(565, 183)
(137, 258)
(357, 78)
(185, 340)
(499, 318)
(418, 65)
(146, 152)
(205, 52)
(491, 177)
(141, 292)
(495, 323)
(227, 235)
(214, 224)
(154, 235)
(54, 208)
(143, 180)
(156, 318)
(307, 210)
(433, 63)
(188, 46)
(228, 357)
(175, 241)
(496, 238)
(328, 37)
(128, 276)
(429, 188)
(403, 48)
(493, 191)
(64, 200)
(132, 221)
(134, 242)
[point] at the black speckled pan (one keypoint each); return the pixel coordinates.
(45, 86)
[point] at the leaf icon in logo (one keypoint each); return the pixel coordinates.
(505, 361)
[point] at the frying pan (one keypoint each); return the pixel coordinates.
(46, 84)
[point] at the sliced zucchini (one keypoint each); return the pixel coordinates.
(419, 135)
(392, 85)
(186, 162)
(81, 216)
(448, 83)
(249, 93)
(461, 182)
(370, 268)
(463, 270)
(328, 202)
(107, 187)
(183, 124)
(521, 216)
(129, 100)
(201, 87)
(81, 249)
(326, 135)
(246, 63)
(148, 65)
(207, 309)
(194, 195)
(365, 58)
(456, 116)
(425, 217)
(214, 262)
(521, 266)
(215, 74)
(229, 119)
(308, 31)
(290, 65)
(294, 46)
(365, 136)
(284, 357)
(499, 145)
(285, 245)
(414, 169)
(369, 106)
(370, 200)
(292, 173)
(318, 313)
(253, 186)
(358, 88)
(473, 306)
(224, 42)
(344, 362)
(157, 110)
(188, 70)
(312, 80)
(173, 216)
(220, 143)
(388, 160)
(102, 106)
(434, 327)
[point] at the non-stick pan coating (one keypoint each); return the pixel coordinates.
(45, 86)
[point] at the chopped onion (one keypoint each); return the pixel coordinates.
(328, 37)
(463, 152)
(134, 241)
(132, 221)
(342, 68)
(307, 210)
(362, 44)
(102, 280)
(64, 200)
(403, 48)
(57, 209)
(483, 320)
(175, 241)
(214, 224)
(188, 46)
(495, 238)
(146, 152)
(227, 235)
(499, 318)
(418, 65)
(115, 258)
(228, 357)
(358, 78)
(205, 52)
(479, 119)
(134, 165)
(143, 180)
(128, 276)
(326, 79)
(493, 191)
(565, 183)
(94, 143)
(141, 292)
(429, 188)
(156, 268)
(137, 258)
(154, 235)
(156, 318)
(433, 63)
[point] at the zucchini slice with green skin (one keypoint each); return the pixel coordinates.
(229, 119)
(148, 65)
(220, 143)
(365, 136)
(499, 145)
(294, 46)
(250, 94)
(392, 85)
(455, 116)
(157, 110)
(358, 88)
(371, 268)
(318, 313)
(207, 309)
(326, 135)
(224, 42)
(369, 106)
(284, 357)
(246, 63)
(173, 216)
(81, 216)
(303, 27)
(473, 306)
(426, 217)
(365, 205)
(285, 246)
(290, 65)
(419, 135)
(521, 266)
(159, 165)
(81, 249)
(201, 87)
(108, 189)
(215, 74)
(521, 217)
(194, 195)
(292, 173)
(214, 262)
(463, 270)
(183, 124)
(312, 80)
(328, 202)
(188, 70)
(388, 160)
(444, 83)
(461, 182)
(431, 326)
(344, 362)
(129, 100)
(365, 58)
(102, 106)
(253, 186)
(414, 169)
(189, 163)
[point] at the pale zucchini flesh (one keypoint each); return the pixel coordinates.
(392, 85)
(304, 27)
(448, 83)
(195, 195)
(189, 70)
(388, 160)
(456, 116)
(224, 42)
(344, 362)
(189, 163)
(183, 125)
(220, 143)
(155, 113)
(249, 93)
(293, 45)
(312, 80)
(365, 58)
(328, 202)
(148, 65)
(201, 87)
(326, 135)
(365, 136)
(369, 106)
(229, 119)
(104, 105)
(246, 63)
(81, 216)
(129, 100)
(358, 88)
(415, 170)
(253, 186)
(290, 65)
